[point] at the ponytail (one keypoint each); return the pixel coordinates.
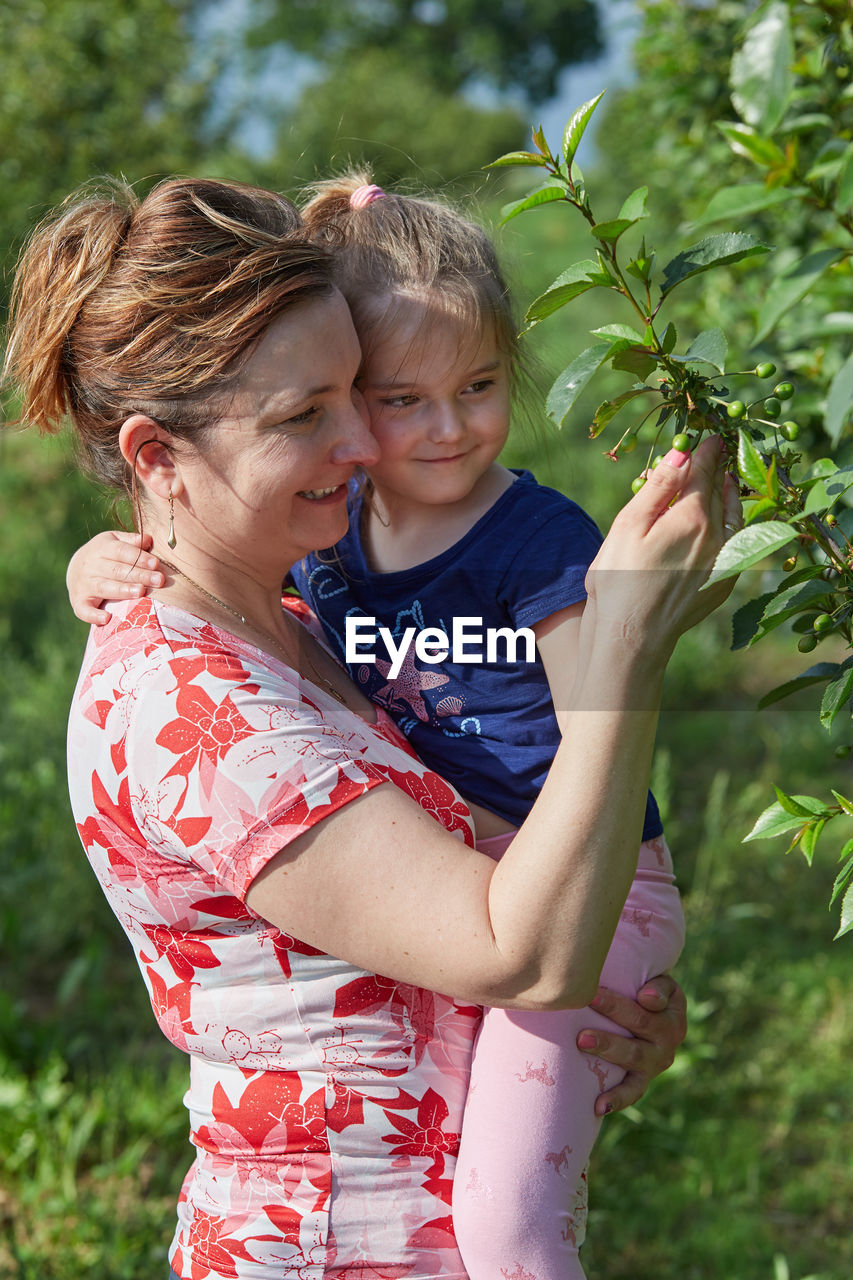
(65, 261)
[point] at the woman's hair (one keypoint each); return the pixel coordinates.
(122, 306)
(406, 245)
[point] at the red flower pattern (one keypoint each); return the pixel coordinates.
(294, 1052)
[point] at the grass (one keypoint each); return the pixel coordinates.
(737, 1164)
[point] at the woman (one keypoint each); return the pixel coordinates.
(231, 786)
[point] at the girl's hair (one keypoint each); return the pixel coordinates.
(399, 244)
(123, 306)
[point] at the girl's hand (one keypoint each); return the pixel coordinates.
(656, 1022)
(110, 566)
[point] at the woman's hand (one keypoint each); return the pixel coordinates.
(645, 580)
(110, 566)
(657, 1023)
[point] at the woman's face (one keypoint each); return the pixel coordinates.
(270, 481)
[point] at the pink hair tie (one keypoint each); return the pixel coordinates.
(363, 196)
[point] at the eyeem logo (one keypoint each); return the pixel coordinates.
(434, 645)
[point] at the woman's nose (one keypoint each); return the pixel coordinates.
(356, 444)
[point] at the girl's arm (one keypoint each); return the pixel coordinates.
(557, 639)
(382, 885)
(110, 566)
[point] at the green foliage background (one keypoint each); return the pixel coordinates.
(737, 1164)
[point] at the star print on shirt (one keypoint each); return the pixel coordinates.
(406, 689)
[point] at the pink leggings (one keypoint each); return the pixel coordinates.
(519, 1192)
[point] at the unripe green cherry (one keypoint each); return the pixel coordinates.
(736, 409)
(772, 407)
(831, 521)
(805, 644)
(824, 622)
(681, 442)
(656, 461)
(765, 369)
(790, 430)
(789, 564)
(637, 484)
(784, 390)
(843, 750)
(629, 444)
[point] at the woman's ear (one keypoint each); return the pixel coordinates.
(147, 447)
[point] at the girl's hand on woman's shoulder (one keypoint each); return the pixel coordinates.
(661, 547)
(111, 566)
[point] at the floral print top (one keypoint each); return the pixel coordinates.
(325, 1101)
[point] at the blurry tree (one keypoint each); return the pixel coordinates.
(89, 88)
(406, 128)
(423, 90)
(450, 43)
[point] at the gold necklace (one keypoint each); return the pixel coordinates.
(270, 639)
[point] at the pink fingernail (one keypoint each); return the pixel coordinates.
(586, 1040)
(676, 458)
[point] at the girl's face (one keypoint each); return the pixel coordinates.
(438, 400)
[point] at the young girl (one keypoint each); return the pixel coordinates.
(444, 541)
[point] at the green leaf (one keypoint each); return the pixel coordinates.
(774, 821)
(516, 157)
(617, 331)
(634, 360)
(818, 674)
(570, 284)
(540, 141)
(708, 347)
(574, 130)
(760, 77)
(738, 202)
(744, 141)
(844, 194)
(847, 806)
(749, 546)
(846, 915)
(758, 508)
(792, 285)
(606, 412)
(714, 251)
(839, 402)
(573, 379)
(611, 231)
(795, 599)
(750, 464)
(746, 621)
(634, 207)
(845, 873)
(801, 806)
(837, 695)
(669, 339)
(810, 837)
(543, 195)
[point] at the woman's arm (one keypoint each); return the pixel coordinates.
(382, 885)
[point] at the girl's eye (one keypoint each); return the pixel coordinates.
(401, 402)
(483, 384)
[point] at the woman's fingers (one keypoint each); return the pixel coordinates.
(656, 1022)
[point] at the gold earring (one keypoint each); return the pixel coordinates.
(171, 541)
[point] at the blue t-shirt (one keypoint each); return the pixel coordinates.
(487, 723)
